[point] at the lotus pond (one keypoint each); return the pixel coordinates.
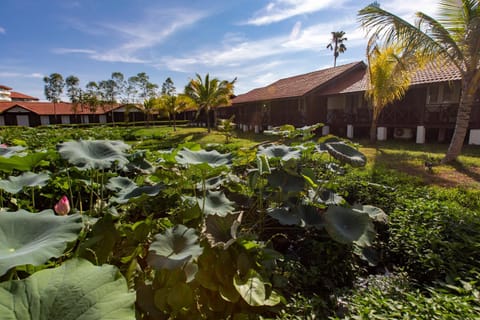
(110, 224)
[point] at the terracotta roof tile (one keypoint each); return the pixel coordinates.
(47, 108)
(433, 72)
(19, 95)
(295, 86)
(5, 87)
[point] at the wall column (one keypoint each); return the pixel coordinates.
(474, 137)
(381, 133)
(420, 134)
(325, 130)
(349, 131)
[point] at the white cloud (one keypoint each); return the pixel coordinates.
(72, 50)
(2, 30)
(407, 8)
(20, 75)
(134, 37)
(278, 10)
(295, 30)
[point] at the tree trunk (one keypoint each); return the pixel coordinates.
(207, 112)
(174, 122)
(463, 119)
(373, 130)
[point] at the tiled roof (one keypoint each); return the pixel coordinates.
(431, 73)
(295, 86)
(19, 95)
(5, 87)
(47, 108)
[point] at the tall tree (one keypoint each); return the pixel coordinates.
(336, 45)
(173, 104)
(208, 94)
(74, 92)
(119, 86)
(53, 90)
(91, 96)
(168, 88)
(390, 70)
(454, 37)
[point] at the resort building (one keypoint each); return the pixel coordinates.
(336, 98)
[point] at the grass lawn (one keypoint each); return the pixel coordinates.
(406, 157)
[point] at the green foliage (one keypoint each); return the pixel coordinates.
(75, 290)
(393, 296)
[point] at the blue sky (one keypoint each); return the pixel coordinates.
(256, 41)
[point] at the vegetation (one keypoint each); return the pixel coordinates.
(390, 70)
(337, 45)
(208, 94)
(181, 225)
(453, 38)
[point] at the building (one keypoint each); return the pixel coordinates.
(335, 97)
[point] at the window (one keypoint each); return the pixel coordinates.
(432, 96)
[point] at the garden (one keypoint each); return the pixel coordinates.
(150, 223)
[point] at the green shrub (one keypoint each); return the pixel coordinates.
(393, 296)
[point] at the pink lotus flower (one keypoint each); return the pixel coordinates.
(3, 145)
(62, 208)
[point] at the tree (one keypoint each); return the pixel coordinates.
(53, 90)
(74, 92)
(173, 104)
(336, 45)
(208, 94)
(390, 70)
(91, 97)
(168, 88)
(454, 38)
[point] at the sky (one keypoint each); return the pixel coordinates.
(255, 41)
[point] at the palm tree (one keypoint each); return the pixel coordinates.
(208, 94)
(390, 70)
(337, 45)
(173, 104)
(455, 37)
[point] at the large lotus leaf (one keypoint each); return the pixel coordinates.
(34, 238)
(77, 290)
(22, 163)
(286, 181)
(375, 213)
(282, 152)
(254, 291)
(346, 225)
(301, 215)
(215, 203)
(174, 248)
(15, 184)
(212, 158)
(326, 197)
(138, 163)
(285, 216)
(127, 189)
(346, 154)
(94, 154)
(222, 231)
(7, 152)
(212, 183)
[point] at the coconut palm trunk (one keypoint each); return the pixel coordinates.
(463, 118)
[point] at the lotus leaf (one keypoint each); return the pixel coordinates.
(94, 154)
(15, 184)
(34, 238)
(7, 152)
(376, 214)
(253, 290)
(301, 215)
(212, 158)
(282, 152)
(138, 163)
(77, 290)
(286, 181)
(222, 231)
(346, 225)
(22, 163)
(215, 203)
(212, 183)
(174, 248)
(326, 197)
(127, 189)
(346, 154)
